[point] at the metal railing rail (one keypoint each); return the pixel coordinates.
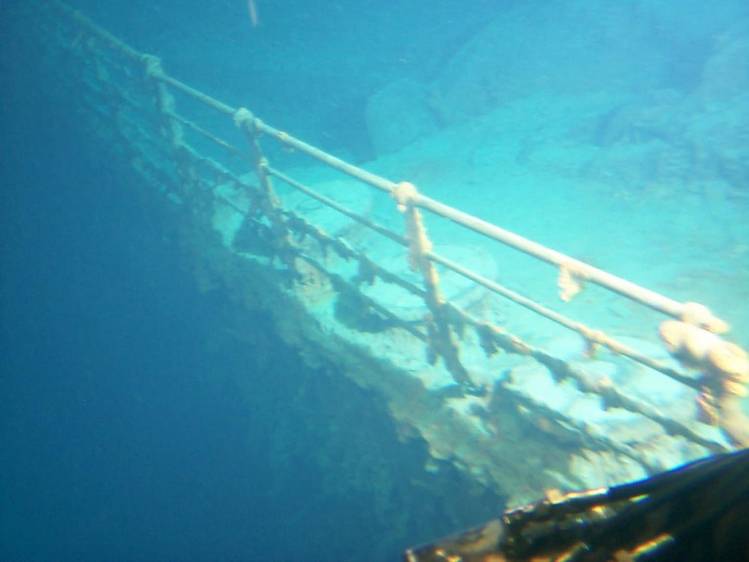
(692, 336)
(244, 118)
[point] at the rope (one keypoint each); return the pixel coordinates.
(441, 340)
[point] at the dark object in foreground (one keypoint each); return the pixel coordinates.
(697, 512)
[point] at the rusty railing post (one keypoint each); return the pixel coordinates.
(269, 203)
(441, 339)
(171, 129)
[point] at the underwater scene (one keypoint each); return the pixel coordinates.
(298, 281)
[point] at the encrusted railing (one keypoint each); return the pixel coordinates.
(131, 91)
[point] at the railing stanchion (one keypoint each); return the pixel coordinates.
(269, 203)
(441, 339)
(692, 334)
(171, 128)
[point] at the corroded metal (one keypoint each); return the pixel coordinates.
(696, 513)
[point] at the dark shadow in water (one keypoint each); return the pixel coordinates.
(127, 427)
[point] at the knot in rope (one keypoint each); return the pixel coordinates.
(152, 66)
(404, 194)
(570, 281)
(699, 348)
(699, 315)
(243, 118)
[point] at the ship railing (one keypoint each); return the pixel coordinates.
(691, 332)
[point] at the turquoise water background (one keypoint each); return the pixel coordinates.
(617, 132)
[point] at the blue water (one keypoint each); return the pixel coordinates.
(123, 437)
(123, 432)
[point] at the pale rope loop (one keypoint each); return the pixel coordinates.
(570, 281)
(404, 194)
(153, 65)
(593, 339)
(699, 348)
(699, 315)
(243, 117)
